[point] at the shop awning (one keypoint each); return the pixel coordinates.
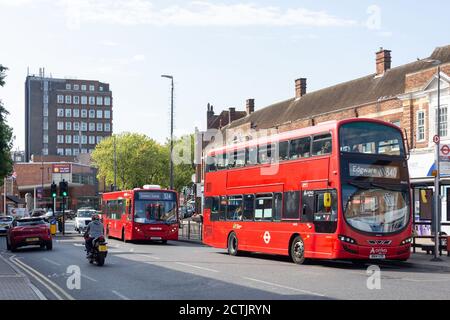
(15, 199)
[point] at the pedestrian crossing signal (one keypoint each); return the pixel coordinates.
(53, 190)
(63, 188)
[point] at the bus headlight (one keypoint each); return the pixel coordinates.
(406, 241)
(347, 239)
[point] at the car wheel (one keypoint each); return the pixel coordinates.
(297, 250)
(49, 245)
(233, 245)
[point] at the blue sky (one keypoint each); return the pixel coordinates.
(221, 52)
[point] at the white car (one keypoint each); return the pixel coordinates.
(82, 219)
(5, 223)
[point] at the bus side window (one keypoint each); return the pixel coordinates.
(223, 208)
(322, 145)
(252, 157)
(249, 207)
(277, 206)
(264, 207)
(283, 151)
(234, 211)
(211, 164)
(291, 205)
(307, 212)
(320, 212)
(300, 148)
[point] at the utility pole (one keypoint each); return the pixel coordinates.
(171, 130)
(115, 164)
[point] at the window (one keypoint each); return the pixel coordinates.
(68, 86)
(92, 126)
(107, 101)
(45, 111)
(91, 88)
(45, 124)
(76, 113)
(84, 150)
(84, 141)
(45, 151)
(68, 126)
(234, 211)
(99, 114)
(266, 153)
(249, 207)
(443, 121)
(100, 88)
(222, 208)
(60, 138)
(221, 160)
(68, 113)
(68, 99)
(76, 87)
(321, 145)
(300, 148)
(76, 152)
(92, 114)
(291, 205)
(83, 87)
(60, 98)
(91, 139)
(277, 206)
(60, 125)
(76, 100)
(99, 101)
(76, 139)
(68, 152)
(107, 114)
(83, 113)
(99, 139)
(283, 150)
(252, 156)
(76, 126)
(45, 138)
(107, 127)
(92, 100)
(420, 126)
(68, 139)
(83, 100)
(99, 126)
(83, 126)
(60, 151)
(60, 113)
(212, 203)
(263, 207)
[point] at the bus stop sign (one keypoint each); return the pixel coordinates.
(436, 139)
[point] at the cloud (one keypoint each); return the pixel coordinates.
(15, 3)
(109, 43)
(139, 57)
(195, 13)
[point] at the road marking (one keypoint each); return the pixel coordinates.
(284, 287)
(89, 278)
(78, 245)
(149, 256)
(121, 296)
(42, 279)
(197, 267)
(52, 262)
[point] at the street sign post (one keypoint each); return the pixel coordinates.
(444, 159)
(436, 139)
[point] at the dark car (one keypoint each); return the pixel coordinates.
(29, 232)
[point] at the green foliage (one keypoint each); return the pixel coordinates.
(5, 135)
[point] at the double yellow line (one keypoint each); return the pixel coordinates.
(56, 290)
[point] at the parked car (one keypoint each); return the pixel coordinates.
(5, 223)
(38, 212)
(29, 232)
(82, 219)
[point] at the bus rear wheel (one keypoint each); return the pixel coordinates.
(233, 245)
(297, 250)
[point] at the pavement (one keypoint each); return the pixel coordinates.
(192, 271)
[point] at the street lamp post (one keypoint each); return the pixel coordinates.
(171, 131)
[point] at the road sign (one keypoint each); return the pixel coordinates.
(436, 139)
(61, 168)
(445, 149)
(39, 192)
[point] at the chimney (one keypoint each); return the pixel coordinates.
(209, 115)
(250, 106)
(300, 88)
(383, 61)
(231, 114)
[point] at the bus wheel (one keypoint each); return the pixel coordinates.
(233, 245)
(297, 250)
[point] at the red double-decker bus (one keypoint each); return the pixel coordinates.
(150, 213)
(338, 190)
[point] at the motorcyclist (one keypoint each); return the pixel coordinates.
(93, 231)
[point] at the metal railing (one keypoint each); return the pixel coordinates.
(190, 230)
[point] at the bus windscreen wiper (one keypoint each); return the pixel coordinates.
(386, 187)
(357, 185)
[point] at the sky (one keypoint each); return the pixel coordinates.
(219, 52)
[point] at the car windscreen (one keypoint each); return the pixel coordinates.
(85, 214)
(30, 222)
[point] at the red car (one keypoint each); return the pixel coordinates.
(28, 232)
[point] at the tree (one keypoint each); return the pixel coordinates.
(140, 161)
(5, 134)
(183, 155)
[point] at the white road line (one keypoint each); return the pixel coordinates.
(284, 287)
(78, 245)
(52, 262)
(197, 267)
(89, 278)
(121, 296)
(149, 256)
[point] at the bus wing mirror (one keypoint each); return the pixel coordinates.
(423, 196)
(327, 200)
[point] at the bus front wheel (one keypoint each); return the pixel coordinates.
(233, 245)
(297, 250)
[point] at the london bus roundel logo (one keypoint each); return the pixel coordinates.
(266, 237)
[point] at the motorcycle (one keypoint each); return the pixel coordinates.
(99, 251)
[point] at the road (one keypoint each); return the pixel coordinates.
(182, 270)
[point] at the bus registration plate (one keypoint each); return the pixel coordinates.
(377, 256)
(155, 238)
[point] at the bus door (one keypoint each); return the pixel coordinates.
(319, 211)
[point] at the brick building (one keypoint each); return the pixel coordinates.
(65, 116)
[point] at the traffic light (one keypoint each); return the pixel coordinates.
(63, 189)
(53, 190)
